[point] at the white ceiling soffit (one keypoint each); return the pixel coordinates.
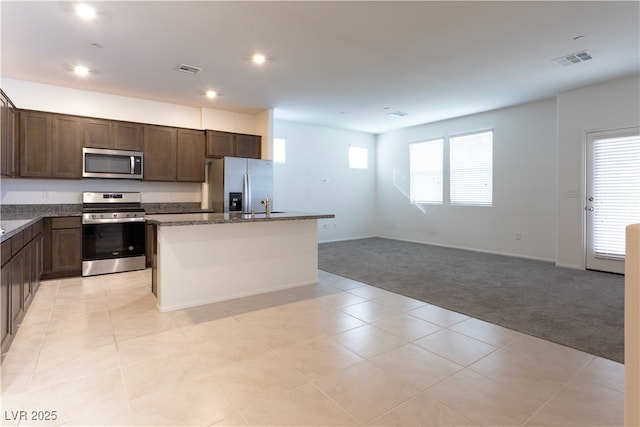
(339, 64)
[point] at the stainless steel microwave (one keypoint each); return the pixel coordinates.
(105, 163)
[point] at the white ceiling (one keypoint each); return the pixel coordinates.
(341, 64)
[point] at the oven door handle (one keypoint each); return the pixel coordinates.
(111, 220)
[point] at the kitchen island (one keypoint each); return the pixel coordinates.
(210, 257)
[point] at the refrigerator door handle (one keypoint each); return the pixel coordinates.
(246, 193)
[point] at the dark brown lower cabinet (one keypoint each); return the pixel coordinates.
(63, 247)
(21, 271)
(5, 298)
(152, 256)
(17, 285)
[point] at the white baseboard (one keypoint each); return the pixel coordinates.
(571, 266)
(346, 239)
(467, 249)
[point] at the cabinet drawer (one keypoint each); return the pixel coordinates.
(17, 243)
(36, 229)
(26, 235)
(6, 251)
(66, 222)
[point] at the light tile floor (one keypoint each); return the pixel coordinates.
(95, 351)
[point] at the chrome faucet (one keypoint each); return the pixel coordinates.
(267, 205)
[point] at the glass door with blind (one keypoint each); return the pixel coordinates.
(613, 195)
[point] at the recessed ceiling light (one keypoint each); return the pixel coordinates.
(85, 11)
(259, 58)
(211, 94)
(81, 70)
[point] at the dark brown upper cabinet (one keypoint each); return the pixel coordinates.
(50, 145)
(112, 134)
(190, 155)
(249, 146)
(160, 150)
(128, 136)
(98, 133)
(8, 137)
(35, 144)
(66, 146)
(222, 144)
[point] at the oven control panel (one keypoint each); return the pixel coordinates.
(92, 218)
(115, 215)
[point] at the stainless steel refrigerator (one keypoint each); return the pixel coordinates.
(239, 185)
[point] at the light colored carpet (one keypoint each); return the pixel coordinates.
(579, 309)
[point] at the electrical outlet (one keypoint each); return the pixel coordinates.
(45, 193)
(518, 236)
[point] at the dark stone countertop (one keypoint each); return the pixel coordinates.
(230, 218)
(16, 218)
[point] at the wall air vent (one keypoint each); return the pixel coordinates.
(189, 69)
(573, 58)
(398, 114)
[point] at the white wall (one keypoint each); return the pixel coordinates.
(57, 99)
(524, 185)
(610, 105)
(316, 178)
(36, 96)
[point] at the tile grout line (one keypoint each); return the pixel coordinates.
(35, 368)
(560, 389)
(117, 344)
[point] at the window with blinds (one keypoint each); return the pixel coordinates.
(425, 172)
(358, 157)
(279, 153)
(471, 169)
(616, 193)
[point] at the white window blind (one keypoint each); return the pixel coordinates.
(471, 169)
(358, 157)
(616, 193)
(425, 172)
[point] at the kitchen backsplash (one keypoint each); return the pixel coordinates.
(50, 191)
(29, 210)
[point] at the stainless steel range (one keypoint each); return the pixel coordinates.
(113, 233)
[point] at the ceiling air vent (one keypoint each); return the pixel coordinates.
(573, 58)
(189, 69)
